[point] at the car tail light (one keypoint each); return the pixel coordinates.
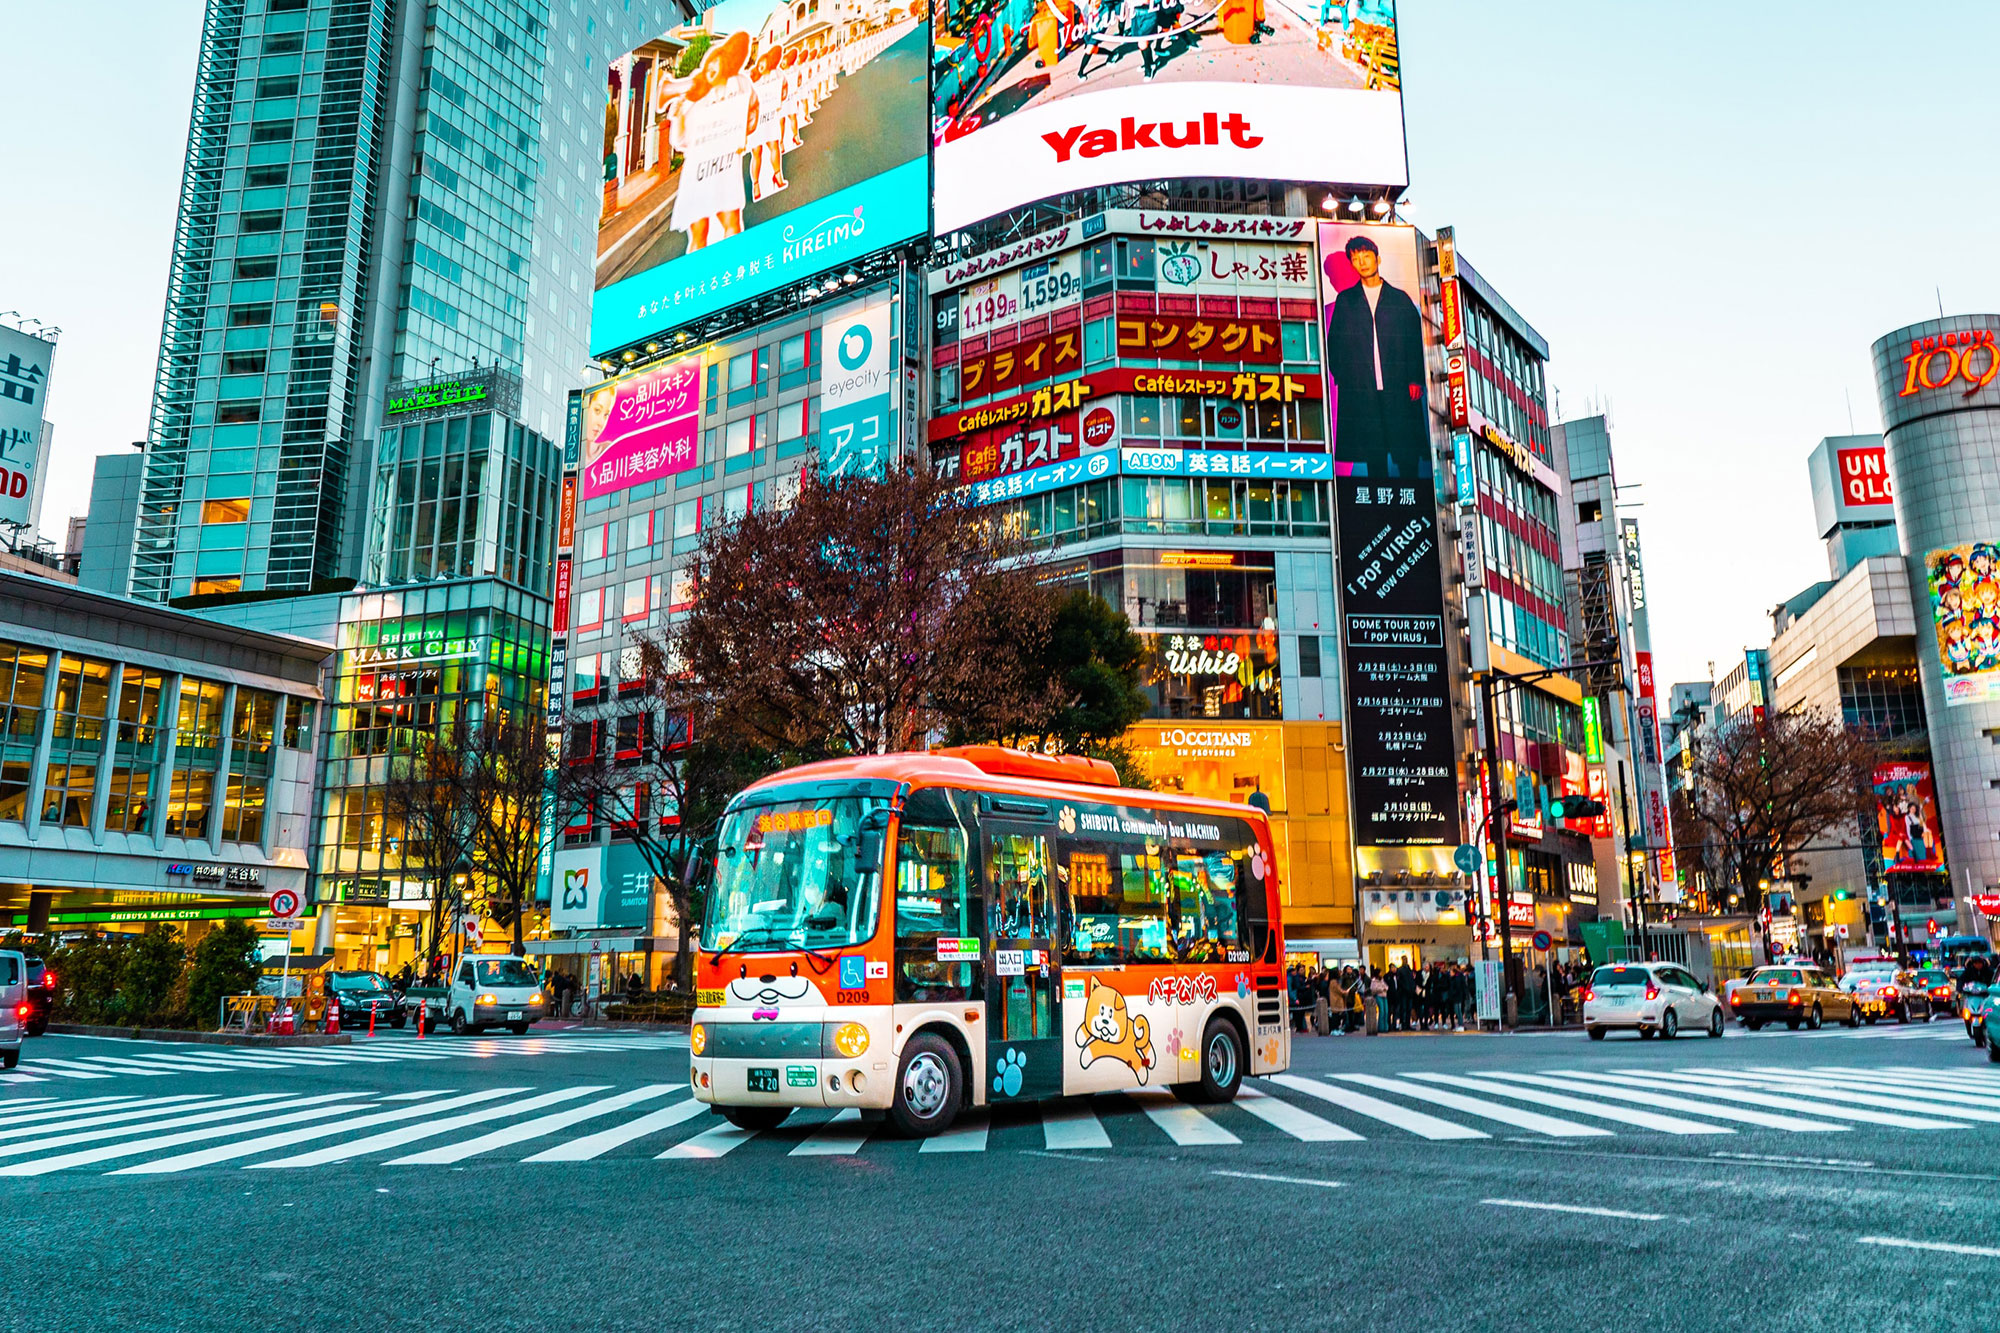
(1795, 997)
(22, 1012)
(1736, 997)
(48, 978)
(1889, 992)
(1588, 995)
(1652, 991)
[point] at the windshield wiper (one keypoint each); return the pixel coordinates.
(743, 939)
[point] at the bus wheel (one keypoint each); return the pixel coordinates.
(929, 1087)
(1221, 1065)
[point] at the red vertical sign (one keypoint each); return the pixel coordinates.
(561, 625)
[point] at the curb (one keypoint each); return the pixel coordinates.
(202, 1038)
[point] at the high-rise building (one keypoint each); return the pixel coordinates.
(367, 209)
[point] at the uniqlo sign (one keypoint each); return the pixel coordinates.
(1864, 476)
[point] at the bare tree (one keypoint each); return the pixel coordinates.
(1761, 790)
(426, 797)
(514, 769)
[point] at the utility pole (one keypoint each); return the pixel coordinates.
(1503, 899)
(1632, 889)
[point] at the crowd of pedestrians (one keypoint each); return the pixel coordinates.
(1402, 998)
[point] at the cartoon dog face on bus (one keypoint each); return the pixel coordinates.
(1109, 1032)
(768, 992)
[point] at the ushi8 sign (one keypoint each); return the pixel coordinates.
(1084, 93)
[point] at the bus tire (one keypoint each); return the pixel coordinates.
(930, 1086)
(1221, 1064)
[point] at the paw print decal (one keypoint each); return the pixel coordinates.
(1007, 1079)
(1066, 819)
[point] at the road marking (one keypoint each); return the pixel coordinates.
(534, 1129)
(1506, 1115)
(1864, 1082)
(412, 1096)
(841, 1136)
(1597, 1086)
(189, 1113)
(709, 1144)
(1666, 1124)
(60, 1110)
(112, 1064)
(1783, 1160)
(968, 1135)
(1834, 1091)
(1402, 1117)
(1575, 1208)
(1681, 1083)
(1281, 1180)
(1185, 1125)
(1943, 1247)
(68, 1069)
(263, 1143)
(396, 1138)
(309, 1108)
(596, 1145)
(1070, 1125)
(1300, 1124)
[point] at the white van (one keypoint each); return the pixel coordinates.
(13, 999)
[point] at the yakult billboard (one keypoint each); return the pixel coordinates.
(1083, 93)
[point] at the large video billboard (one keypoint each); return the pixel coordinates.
(1965, 606)
(1906, 815)
(1075, 94)
(1399, 738)
(763, 143)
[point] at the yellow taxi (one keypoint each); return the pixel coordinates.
(1795, 995)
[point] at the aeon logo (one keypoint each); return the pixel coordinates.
(1947, 358)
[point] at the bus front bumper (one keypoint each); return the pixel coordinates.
(841, 1060)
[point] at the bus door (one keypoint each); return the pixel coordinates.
(1024, 1054)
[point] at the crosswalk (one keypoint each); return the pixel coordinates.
(134, 1134)
(82, 1060)
(1945, 1027)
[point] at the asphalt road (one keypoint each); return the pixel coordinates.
(1775, 1181)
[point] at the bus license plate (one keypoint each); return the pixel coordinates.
(762, 1080)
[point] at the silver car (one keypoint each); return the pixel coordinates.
(1653, 998)
(13, 1000)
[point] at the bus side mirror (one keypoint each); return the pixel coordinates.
(869, 840)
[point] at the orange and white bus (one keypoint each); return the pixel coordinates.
(914, 934)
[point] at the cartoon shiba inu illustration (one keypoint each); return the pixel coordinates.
(1108, 1032)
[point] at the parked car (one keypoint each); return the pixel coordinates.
(362, 994)
(41, 997)
(1885, 995)
(13, 1005)
(1796, 996)
(1653, 998)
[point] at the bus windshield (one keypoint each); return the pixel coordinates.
(796, 875)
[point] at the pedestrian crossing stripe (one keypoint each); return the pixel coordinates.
(161, 1060)
(165, 1135)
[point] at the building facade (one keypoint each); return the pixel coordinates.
(154, 767)
(1941, 418)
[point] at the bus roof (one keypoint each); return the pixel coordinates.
(992, 768)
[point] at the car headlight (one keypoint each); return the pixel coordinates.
(536, 998)
(698, 1038)
(850, 1039)
(488, 999)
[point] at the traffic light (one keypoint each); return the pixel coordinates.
(1565, 808)
(1841, 895)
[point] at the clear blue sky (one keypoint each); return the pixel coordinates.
(1709, 211)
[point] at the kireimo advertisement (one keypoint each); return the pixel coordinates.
(752, 148)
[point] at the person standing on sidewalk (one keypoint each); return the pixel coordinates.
(1378, 991)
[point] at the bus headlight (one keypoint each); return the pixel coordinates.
(850, 1039)
(698, 1038)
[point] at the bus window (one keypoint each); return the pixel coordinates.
(1144, 933)
(934, 901)
(1018, 869)
(1093, 902)
(1205, 904)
